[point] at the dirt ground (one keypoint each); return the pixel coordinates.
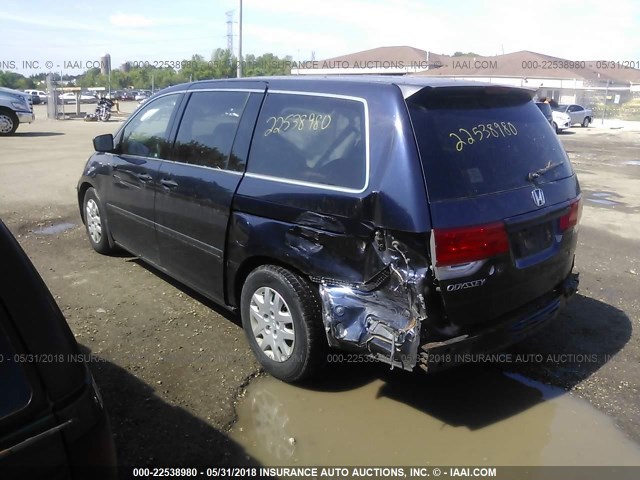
(172, 365)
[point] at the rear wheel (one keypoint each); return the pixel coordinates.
(281, 316)
(8, 122)
(586, 122)
(555, 127)
(95, 222)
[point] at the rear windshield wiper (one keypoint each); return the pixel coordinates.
(531, 176)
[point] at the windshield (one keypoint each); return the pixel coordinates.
(476, 141)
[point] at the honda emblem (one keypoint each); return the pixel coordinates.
(538, 197)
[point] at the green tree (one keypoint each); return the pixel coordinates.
(224, 64)
(266, 64)
(15, 80)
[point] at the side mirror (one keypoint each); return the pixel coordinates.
(103, 143)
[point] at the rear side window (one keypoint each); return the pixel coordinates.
(314, 139)
(476, 141)
(208, 128)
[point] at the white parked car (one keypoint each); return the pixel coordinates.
(70, 97)
(142, 95)
(561, 120)
(42, 95)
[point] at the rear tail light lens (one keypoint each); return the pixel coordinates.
(467, 244)
(571, 218)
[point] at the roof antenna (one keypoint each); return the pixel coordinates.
(502, 45)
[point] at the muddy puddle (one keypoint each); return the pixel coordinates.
(603, 198)
(472, 417)
(55, 228)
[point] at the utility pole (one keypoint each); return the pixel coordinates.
(606, 96)
(229, 15)
(240, 43)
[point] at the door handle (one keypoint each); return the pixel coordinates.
(145, 177)
(168, 183)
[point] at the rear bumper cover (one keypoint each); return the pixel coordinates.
(435, 356)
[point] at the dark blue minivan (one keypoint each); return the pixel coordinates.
(409, 220)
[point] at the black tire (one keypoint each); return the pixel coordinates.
(586, 122)
(309, 350)
(555, 127)
(9, 120)
(101, 244)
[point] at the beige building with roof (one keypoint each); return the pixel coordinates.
(401, 60)
(565, 81)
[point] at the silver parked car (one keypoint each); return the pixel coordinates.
(577, 114)
(15, 108)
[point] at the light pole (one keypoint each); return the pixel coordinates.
(606, 96)
(239, 72)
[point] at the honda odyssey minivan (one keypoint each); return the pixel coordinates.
(403, 219)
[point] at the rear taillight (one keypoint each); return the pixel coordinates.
(467, 244)
(571, 218)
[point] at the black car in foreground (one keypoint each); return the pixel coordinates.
(52, 420)
(408, 220)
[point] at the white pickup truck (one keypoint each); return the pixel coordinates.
(578, 114)
(15, 109)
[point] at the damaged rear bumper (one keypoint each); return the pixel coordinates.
(387, 324)
(374, 322)
(436, 356)
(384, 315)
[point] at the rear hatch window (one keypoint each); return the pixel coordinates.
(481, 140)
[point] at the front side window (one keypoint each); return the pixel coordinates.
(312, 139)
(146, 135)
(208, 128)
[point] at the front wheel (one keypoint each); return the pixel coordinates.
(95, 222)
(281, 317)
(555, 127)
(8, 122)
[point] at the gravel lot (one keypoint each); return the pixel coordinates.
(172, 365)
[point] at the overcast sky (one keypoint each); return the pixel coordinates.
(74, 30)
